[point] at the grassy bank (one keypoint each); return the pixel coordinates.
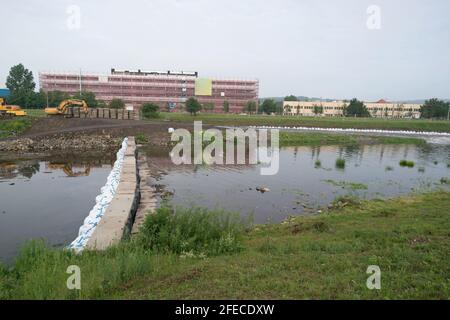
(316, 139)
(15, 126)
(324, 122)
(204, 256)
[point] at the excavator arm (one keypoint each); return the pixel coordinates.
(62, 108)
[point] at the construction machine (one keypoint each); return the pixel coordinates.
(64, 105)
(10, 111)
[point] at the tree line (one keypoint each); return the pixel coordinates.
(20, 82)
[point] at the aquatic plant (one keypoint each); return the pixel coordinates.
(318, 164)
(407, 163)
(195, 231)
(340, 163)
(389, 168)
(141, 139)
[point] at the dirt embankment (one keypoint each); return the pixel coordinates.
(50, 134)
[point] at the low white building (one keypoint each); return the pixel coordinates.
(380, 109)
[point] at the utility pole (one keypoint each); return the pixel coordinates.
(80, 81)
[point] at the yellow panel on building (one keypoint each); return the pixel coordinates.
(203, 87)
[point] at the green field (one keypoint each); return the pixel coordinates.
(359, 123)
(319, 257)
(15, 126)
(318, 139)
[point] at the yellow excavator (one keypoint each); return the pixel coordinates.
(62, 108)
(10, 111)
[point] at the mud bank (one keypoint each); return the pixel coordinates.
(66, 142)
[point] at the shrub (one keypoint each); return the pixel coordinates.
(340, 163)
(191, 232)
(117, 104)
(150, 110)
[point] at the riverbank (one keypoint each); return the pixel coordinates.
(323, 256)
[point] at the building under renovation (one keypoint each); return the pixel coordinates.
(167, 89)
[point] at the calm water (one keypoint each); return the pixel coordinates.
(47, 199)
(300, 187)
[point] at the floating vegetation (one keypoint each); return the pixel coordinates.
(435, 162)
(407, 163)
(421, 169)
(445, 180)
(347, 185)
(448, 165)
(340, 163)
(389, 168)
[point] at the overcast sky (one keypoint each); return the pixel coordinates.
(321, 48)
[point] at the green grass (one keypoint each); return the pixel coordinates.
(15, 126)
(325, 122)
(347, 185)
(407, 163)
(316, 257)
(36, 113)
(318, 163)
(318, 138)
(141, 138)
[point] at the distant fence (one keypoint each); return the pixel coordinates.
(104, 113)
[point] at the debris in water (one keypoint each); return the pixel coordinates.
(262, 189)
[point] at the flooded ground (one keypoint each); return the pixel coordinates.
(47, 197)
(303, 185)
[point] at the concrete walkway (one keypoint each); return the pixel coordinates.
(119, 216)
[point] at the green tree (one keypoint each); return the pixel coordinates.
(226, 106)
(150, 110)
(250, 107)
(193, 106)
(434, 108)
(356, 108)
(208, 107)
(291, 98)
(318, 109)
(21, 83)
(269, 106)
(101, 104)
(88, 97)
(117, 104)
(20, 78)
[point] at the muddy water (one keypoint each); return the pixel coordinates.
(301, 186)
(47, 197)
